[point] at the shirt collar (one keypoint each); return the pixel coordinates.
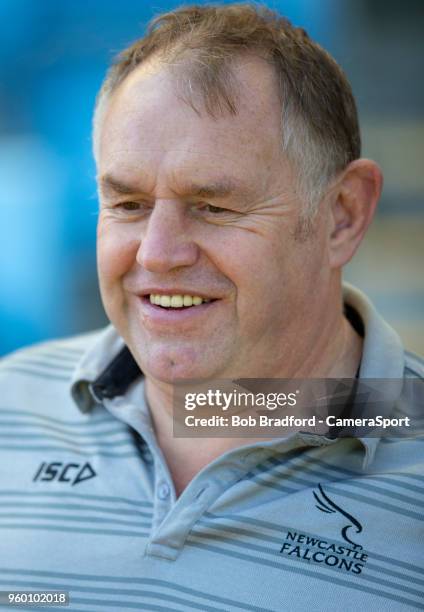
(382, 353)
(105, 370)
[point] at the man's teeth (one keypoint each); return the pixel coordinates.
(176, 301)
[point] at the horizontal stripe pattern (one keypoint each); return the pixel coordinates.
(272, 473)
(238, 542)
(268, 546)
(38, 372)
(24, 431)
(208, 548)
(140, 588)
(73, 512)
(89, 420)
(5, 494)
(264, 526)
(55, 362)
(126, 519)
(69, 449)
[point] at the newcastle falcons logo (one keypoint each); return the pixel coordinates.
(312, 548)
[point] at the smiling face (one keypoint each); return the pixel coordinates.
(196, 206)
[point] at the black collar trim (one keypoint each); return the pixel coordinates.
(117, 377)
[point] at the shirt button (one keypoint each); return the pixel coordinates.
(163, 491)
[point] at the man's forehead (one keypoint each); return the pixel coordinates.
(148, 131)
(115, 183)
(250, 81)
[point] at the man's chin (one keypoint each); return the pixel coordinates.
(176, 366)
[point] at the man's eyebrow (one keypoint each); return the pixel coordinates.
(111, 184)
(216, 189)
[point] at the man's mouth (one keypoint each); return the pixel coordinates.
(177, 300)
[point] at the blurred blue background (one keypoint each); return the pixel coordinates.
(53, 56)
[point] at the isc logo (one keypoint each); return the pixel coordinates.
(64, 472)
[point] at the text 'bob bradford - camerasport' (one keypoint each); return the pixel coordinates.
(274, 408)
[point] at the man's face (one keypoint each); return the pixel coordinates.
(197, 206)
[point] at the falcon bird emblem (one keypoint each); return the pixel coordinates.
(325, 504)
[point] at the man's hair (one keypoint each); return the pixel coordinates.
(319, 123)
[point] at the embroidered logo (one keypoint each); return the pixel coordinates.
(314, 549)
(325, 504)
(73, 473)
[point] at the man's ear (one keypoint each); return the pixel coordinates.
(353, 205)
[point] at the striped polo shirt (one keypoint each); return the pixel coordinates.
(87, 504)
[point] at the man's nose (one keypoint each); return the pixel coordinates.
(166, 243)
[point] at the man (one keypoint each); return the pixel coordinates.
(232, 193)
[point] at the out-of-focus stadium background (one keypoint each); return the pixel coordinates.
(53, 56)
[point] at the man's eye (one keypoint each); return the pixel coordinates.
(209, 208)
(129, 206)
(215, 209)
(132, 207)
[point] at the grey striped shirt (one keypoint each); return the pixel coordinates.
(305, 523)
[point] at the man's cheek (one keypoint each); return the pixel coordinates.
(109, 265)
(115, 256)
